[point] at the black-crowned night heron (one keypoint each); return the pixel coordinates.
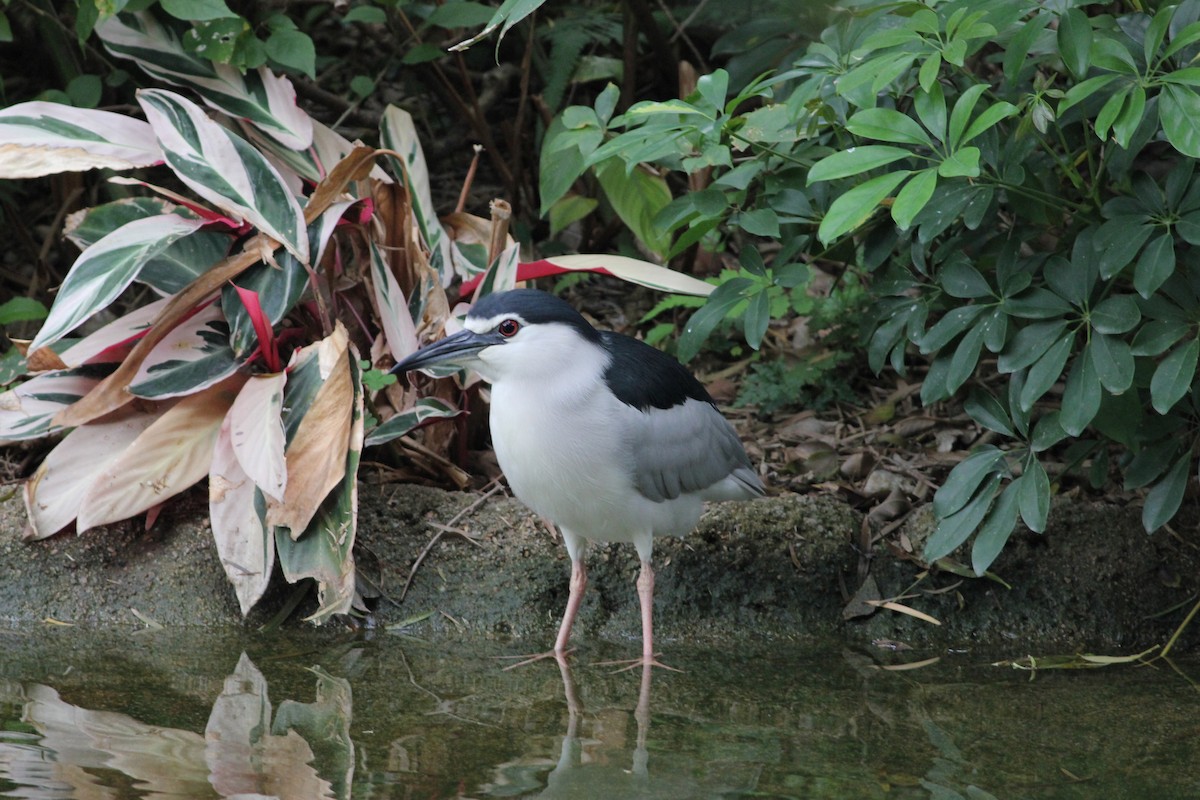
(608, 437)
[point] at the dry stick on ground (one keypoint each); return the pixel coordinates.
(496, 486)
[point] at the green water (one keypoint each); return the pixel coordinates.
(325, 714)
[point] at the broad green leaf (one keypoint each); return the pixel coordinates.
(1082, 394)
(960, 279)
(961, 113)
(1075, 41)
(1030, 343)
(261, 98)
(1047, 432)
(1117, 242)
(705, 320)
(962, 163)
(1155, 265)
(21, 309)
(424, 411)
(1019, 45)
(888, 125)
(953, 530)
(1113, 362)
(963, 481)
(913, 196)
(952, 323)
(1187, 36)
(854, 207)
(930, 105)
(42, 138)
(1046, 371)
(757, 318)
(1163, 501)
(1083, 90)
(1179, 110)
(995, 530)
(184, 260)
(568, 210)
(855, 160)
(1033, 497)
(983, 407)
(1126, 125)
(1111, 108)
(759, 222)
(1174, 376)
(1156, 31)
(966, 357)
(106, 268)
(508, 14)
(1037, 303)
(197, 9)
(986, 119)
(294, 49)
(637, 197)
(465, 14)
(928, 74)
(1117, 313)
(1157, 336)
(223, 169)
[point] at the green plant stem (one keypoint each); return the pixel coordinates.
(1182, 626)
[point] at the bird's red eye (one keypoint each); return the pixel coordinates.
(509, 327)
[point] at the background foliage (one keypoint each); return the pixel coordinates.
(996, 200)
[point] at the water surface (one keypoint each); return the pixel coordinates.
(192, 714)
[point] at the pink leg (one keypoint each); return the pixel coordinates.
(574, 600)
(645, 588)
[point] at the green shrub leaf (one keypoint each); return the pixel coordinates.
(1113, 361)
(963, 481)
(996, 529)
(1116, 314)
(954, 529)
(888, 125)
(1082, 394)
(1167, 495)
(1173, 376)
(1033, 497)
(854, 161)
(1075, 41)
(913, 197)
(854, 207)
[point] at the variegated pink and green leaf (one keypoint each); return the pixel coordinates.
(237, 512)
(39, 138)
(26, 411)
(502, 274)
(110, 342)
(278, 287)
(394, 316)
(256, 426)
(262, 98)
(172, 453)
(399, 134)
(317, 417)
(628, 269)
(174, 268)
(104, 269)
(325, 550)
(423, 412)
(222, 168)
(85, 228)
(55, 492)
(193, 356)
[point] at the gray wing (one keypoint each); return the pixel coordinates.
(687, 449)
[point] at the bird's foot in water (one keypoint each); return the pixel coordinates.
(634, 663)
(530, 659)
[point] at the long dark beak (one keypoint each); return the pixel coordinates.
(457, 350)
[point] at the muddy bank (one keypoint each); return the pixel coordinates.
(778, 568)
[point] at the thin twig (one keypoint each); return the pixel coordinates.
(447, 528)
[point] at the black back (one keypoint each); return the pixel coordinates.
(644, 377)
